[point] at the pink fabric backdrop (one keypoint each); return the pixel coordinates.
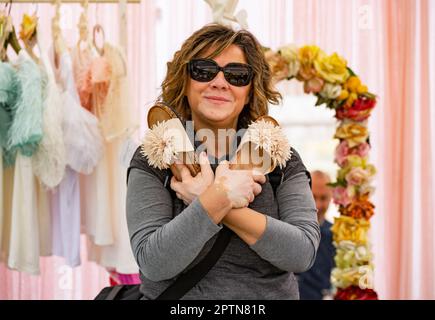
(58, 281)
(389, 43)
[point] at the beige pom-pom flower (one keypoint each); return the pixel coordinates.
(158, 146)
(271, 139)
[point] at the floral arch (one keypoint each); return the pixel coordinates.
(335, 85)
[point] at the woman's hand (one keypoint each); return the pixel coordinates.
(241, 186)
(191, 187)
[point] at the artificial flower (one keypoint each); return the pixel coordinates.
(351, 255)
(290, 55)
(353, 84)
(271, 139)
(348, 228)
(307, 55)
(159, 146)
(342, 196)
(352, 97)
(332, 68)
(330, 91)
(277, 65)
(361, 276)
(352, 132)
(314, 85)
(344, 94)
(355, 293)
(343, 151)
(358, 176)
(360, 207)
(354, 160)
(366, 189)
(28, 26)
(359, 111)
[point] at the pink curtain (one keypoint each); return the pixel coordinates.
(389, 44)
(58, 281)
(408, 151)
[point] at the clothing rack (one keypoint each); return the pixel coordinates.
(67, 1)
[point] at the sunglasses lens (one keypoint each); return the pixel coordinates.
(203, 70)
(237, 74)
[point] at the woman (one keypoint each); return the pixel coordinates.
(170, 232)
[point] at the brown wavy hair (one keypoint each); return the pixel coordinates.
(174, 85)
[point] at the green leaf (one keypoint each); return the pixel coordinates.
(351, 71)
(338, 183)
(320, 101)
(369, 95)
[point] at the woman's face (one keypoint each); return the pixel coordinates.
(217, 104)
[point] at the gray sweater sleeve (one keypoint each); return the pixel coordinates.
(291, 242)
(162, 245)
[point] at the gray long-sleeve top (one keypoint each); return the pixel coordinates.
(168, 238)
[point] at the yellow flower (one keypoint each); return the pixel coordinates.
(307, 55)
(353, 133)
(351, 99)
(28, 26)
(348, 228)
(344, 94)
(354, 160)
(362, 89)
(332, 68)
(353, 83)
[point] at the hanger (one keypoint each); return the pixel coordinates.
(98, 28)
(29, 33)
(7, 33)
(59, 44)
(83, 26)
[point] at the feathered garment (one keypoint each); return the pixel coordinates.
(10, 90)
(26, 130)
(49, 160)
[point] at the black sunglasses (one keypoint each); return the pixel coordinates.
(205, 70)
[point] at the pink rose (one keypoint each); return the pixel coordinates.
(362, 150)
(314, 85)
(341, 153)
(341, 196)
(357, 176)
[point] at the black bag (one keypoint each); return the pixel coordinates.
(184, 282)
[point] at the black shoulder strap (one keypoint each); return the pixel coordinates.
(188, 280)
(275, 178)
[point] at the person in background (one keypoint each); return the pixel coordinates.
(315, 284)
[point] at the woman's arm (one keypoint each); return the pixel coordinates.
(162, 245)
(248, 224)
(289, 243)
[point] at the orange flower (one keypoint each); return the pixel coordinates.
(359, 208)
